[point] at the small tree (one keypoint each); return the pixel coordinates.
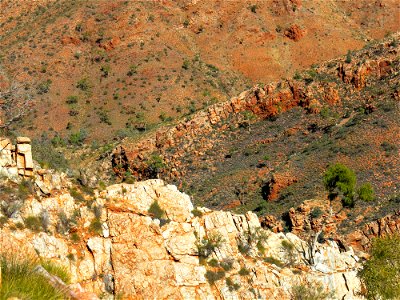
(339, 179)
(381, 273)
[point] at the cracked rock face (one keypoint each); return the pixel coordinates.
(213, 255)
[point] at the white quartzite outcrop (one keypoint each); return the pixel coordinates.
(141, 257)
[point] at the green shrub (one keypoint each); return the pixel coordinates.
(197, 213)
(366, 192)
(253, 8)
(212, 277)
(289, 251)
(25, 188)
(105, 70)
(232, 285)
(213, 263)
(33, 223)
(76, 195)
(155, 165)
(316, 212)
(185, 64)
(19, 279)
(388, 148)
(275, 261)
(381, 272)
(77, 138)
(72, 100)
(244, 248)
(348, 57)
(244, 271)
(156, 211)
(84, 84)
(227, 264)
(207, 245)
(3, 220)
(96, 226)
(44, 87)
(308, 291)
(71, 257)
(340, 179)
(132, 70)
(75, 238)
(64, 223)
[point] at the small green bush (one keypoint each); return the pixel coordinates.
(77, 138)
(96, 226)
(366, 192)
(316, 212)
(213, 263)
(45, 153)
(185, 64)
(289, 249)
(348, 57)
(244, 271)
(207, 245)
(72, 100)
(156, 211)
(232, 285)
(33, 223)
(25, 188)
(197, 213)
(275, 261)
(57, 270)
(75, 238)
(308, 291)
(76, 195)
(212, 277)
(227, 264)
(132, 70)
(44, 87)
(244, 248)
(84, 84)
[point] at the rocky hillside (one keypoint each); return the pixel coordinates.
(115, 68)
(146, 240)
(267, 149)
